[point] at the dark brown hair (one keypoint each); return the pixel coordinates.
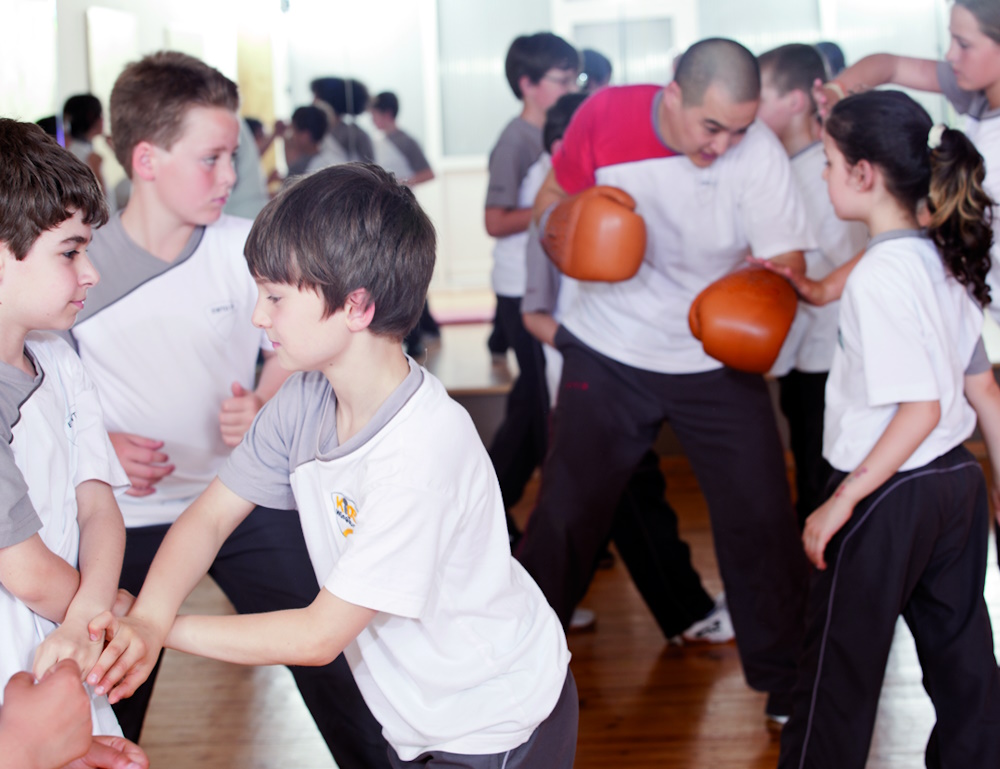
(987, 13)
(718, 60)
(890, 130)
(153, 95)
(41, 186)
(343, 228)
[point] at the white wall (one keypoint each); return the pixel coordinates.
(431, 52)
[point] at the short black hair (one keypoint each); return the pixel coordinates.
(718, 60)
(534, 55)
(386, 102)
(256, 127)
(596, 69)
(41, 186)
(345, 96)
(347, 227)
(793, 67)
(558, 116)
(80, 113)
(311, 119)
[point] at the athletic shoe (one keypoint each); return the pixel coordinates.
(582, 619)
(716, 627)
(778, 708)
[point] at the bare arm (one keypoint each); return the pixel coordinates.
(314, 635)
(877, 69)
(39, 578)
(983, 394)
(911, 424)
(819, 292)
(550, 192)
(792, 262)
(102, 546)
(542, 326)
(187, 551)
(501, 222)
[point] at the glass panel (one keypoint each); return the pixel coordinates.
(640, 50)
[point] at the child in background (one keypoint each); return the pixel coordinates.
(58, 470)
(787, 108)
(905, 531)
(540, 68)
(399, 152)
(453, 645)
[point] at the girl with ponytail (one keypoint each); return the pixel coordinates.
(904, 531)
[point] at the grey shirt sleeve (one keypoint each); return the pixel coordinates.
(960, 100)
(410, 150)
(979, 362)
(513, 155)
(18, 519)
(541, 290)
(260, 468)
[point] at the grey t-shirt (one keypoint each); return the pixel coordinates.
(409, 149)
(355, 141)
(519, 146)
(971, 103)
(18, 519)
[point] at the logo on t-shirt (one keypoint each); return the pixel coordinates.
(346, 513)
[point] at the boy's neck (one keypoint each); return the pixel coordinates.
(12, 348)
(149, 226)
(533, 114)
(802, 132)
(363, 378)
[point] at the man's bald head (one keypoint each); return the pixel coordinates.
(722, 62)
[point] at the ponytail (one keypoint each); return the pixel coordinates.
(961, 212)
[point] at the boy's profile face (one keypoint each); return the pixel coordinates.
(193, 178)
(382, 120)
(775, 109)
(47, 288)
(553, 84)
(292, 318)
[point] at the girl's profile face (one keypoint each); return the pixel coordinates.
(974, 57)
(839, 182)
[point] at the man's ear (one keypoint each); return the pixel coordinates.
(359, 309)
(144, 161)
(672, 95)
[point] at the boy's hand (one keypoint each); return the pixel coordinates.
(108, 752)
(143, 461)
(132, 651)
(69, 641)
(237, 414)
(820, 527)
(48, 723)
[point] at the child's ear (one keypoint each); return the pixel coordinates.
(359, 309)
(863, 175)
(144, 161)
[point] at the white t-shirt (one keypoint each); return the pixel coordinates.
(701, 224)
(813, 336)
(58, 443)
(465, 654)
(164, 343)
(907, 333)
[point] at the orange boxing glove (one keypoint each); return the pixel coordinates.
(595, 235)
(742, 319)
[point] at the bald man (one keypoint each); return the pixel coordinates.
(713, 187)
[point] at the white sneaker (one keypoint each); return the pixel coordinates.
(582, 619)
(715, 628)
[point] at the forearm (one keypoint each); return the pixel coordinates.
(312, 636)
(794, 261)
(39, 578)
(102, 546)
(501, 222)
(909, 427)
(272, 376)
(187, 552)
(542, 326)
(983, 394)
(550, 194)
(883, 68)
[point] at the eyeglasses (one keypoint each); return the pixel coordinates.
(563, 81)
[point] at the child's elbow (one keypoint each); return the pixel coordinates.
(319, 652)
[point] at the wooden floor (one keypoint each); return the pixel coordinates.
(644, 704)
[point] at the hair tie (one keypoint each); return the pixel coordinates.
(934, 136)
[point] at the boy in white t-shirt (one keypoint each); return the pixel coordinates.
(168, 340)
(58, 471)
(454, 647)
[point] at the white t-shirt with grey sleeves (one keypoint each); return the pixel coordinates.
(465, 654)
(58, 442)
